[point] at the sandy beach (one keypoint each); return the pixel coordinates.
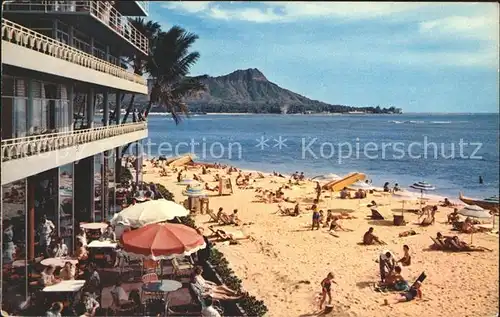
(285, 262)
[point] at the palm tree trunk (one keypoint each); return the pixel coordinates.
(129, 109)
(150, 105)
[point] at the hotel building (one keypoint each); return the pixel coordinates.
(61, 61)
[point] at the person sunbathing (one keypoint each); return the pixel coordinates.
(370, 239)
(229, 236)
(406, 259)
(454, 216)
(233, 218)
(335, 226)
(395, 280)
(212, 189)
(289, 200)
(414, 292)
(360, 194)
(468, 226)
(407, 233)
(296, 210)
(344, 193)
(220, 292)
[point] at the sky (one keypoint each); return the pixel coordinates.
(422, 57)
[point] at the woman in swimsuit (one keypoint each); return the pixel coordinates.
(411, 294)
(326, 289)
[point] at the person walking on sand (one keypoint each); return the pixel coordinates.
(326, 289)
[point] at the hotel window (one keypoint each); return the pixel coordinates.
(45, 203)
(14, 277)
(81, 42)
(39, 109)
(14, 107)
(63, 112)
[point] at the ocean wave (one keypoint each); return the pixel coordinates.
(440, 122)
(395, 121)
(414, 121)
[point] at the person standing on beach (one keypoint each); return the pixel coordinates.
(318, 191)
(315, 219)
(386, 264)
(326, 289)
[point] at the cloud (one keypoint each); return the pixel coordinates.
(266, 12)
(481, 27)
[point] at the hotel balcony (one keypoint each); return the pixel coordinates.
(133, 8)
(25, 48)
(23, 157)
(117, 29)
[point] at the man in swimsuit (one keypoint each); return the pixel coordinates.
(369, 238)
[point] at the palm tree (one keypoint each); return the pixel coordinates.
(168, 66)
(138, 61)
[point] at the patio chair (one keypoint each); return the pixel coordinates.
(122, 309)
(150, 265)
(148, 278)
(181, 269)
(198, 298)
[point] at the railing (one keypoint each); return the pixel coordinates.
(34, 145)
(101, 10)
(23, 36)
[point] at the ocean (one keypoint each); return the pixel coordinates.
(450, 151)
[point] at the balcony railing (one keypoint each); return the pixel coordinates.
(20, 35)
(101, 10)
(34, 145)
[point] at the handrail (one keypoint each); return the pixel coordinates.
(144, 5)
(38, 144)
(101, 10)
(28, 38)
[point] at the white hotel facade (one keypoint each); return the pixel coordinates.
(59, 60)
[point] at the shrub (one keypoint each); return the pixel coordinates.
(164, 192)
(125, 175)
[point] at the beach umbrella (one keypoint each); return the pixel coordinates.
(148, 212)
(196, 191)
(162, 241)
(422, 187)
(473, 211)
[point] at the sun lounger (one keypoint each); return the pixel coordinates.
(438, 244)
(426, 222)
(376, 215)
(213, 217)
(224, 219)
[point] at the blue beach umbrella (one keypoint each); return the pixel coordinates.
(422, 187)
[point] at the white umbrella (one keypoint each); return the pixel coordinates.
(404, 196)
(151, 211)
(474, 211)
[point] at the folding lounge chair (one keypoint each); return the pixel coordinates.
(213, 217)
(438, 244)
(225, 219)
(376, 215)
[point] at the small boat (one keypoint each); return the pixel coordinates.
(486, 203)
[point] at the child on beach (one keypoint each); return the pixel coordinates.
(326, 289)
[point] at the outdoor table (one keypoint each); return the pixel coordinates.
(58, 262)
(163, 287)
(71, 286)
(102, 244)
(94, 226)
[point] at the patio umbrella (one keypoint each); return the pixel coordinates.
(404, 196)
(422, 187)
(148, 212)
(196, 191)
(162, 241)
(473, 211)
